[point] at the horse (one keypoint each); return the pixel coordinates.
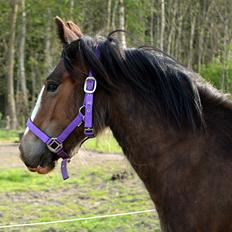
(174, 127)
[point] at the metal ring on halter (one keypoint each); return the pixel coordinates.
(54, 145)
(94, 86)
(80, 109)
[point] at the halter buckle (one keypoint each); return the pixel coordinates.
(54, 145)
(89, 132)
(90, 85)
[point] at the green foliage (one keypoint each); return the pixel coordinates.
(139, 12)
(9, 135)
(213, 73)
(142, 20)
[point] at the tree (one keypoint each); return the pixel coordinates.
(47, 48)
(114, 15)
(10, 68)
(192, 34)
(122, 22)
(197, 33)
(162, 27)
(109, 15)
(22, 98)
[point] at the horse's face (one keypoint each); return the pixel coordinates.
(58, 103)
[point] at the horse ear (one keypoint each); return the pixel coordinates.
(74, 28)
(65, 34)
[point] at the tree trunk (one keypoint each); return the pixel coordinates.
(122, 22)
(200, 48)
(225, 56)
(178, 38)
(114, 15)
(10, 68)
(204, 21)
(33, 86)
(192, 33)
(71, 9)
(162, 28)
(109, 15)
(22, 78)
(47, 49)
(173, 28)
(152, 23)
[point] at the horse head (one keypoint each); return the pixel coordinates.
(62, 100)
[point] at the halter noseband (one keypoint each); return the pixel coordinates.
(55, 144)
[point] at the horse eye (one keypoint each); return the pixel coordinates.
(52, 87)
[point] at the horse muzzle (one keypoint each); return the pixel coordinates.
(41, 163)
(40, 170)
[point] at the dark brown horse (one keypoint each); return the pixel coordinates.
(174, 128)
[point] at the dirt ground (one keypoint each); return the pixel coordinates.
(11, 150)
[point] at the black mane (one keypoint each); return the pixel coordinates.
(155, 78)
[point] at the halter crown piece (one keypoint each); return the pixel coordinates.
(55, 145)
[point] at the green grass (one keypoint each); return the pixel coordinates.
(18, 179)
(27, 197)
(103, 143)
(9, 135)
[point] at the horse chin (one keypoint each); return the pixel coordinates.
(45, 166)
(43, 170)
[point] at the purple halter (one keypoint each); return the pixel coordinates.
(55, 145)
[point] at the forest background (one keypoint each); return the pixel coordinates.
(197, 33)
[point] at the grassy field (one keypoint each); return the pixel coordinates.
(9, 135)
(103, 143)
(99, 184)
(28, 197)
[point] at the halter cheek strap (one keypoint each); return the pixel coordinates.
(55, 145)
(89, 88)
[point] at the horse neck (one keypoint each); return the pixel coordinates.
(150, 145)
(156, 150)
(217, 111)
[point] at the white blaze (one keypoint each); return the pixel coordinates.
(36, 108)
